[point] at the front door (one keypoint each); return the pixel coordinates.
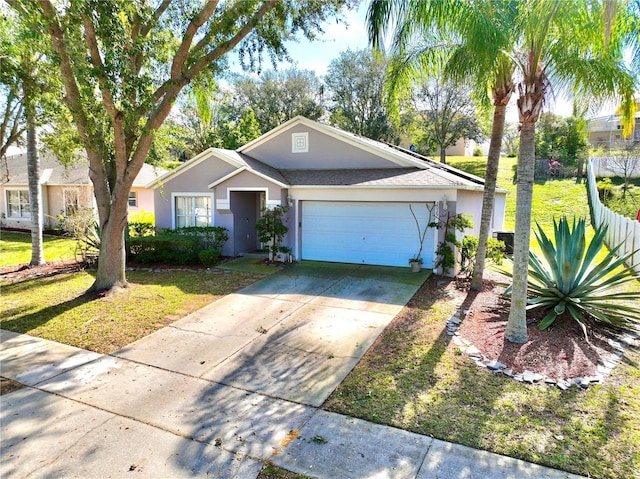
(245, 208)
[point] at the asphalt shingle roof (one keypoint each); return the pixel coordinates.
(409, 177)
(54, 173)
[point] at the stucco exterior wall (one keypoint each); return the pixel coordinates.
(195, 179)
(145, 201)
(470, 202)
(52, 204)
(325, 152)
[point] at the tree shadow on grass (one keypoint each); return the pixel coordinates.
(23, 323)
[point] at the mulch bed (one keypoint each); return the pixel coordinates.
(559, 352)
(25, 271)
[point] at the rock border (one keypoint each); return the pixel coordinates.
(604, 367)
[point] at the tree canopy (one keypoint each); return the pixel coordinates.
(123, 65)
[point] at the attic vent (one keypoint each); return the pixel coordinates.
(300, 142)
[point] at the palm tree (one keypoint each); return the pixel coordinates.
(549, 55)
(473, 37)
(538, 42)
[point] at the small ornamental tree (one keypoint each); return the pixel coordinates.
(271, 230)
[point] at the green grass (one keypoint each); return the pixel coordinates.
(273, 472)
(58, 307)
(15, 248)
(413, 378)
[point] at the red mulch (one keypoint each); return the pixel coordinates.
(559, 352)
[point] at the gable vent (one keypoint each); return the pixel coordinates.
(300, 142)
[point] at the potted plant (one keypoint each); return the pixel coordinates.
(415, 264)
(416, 261)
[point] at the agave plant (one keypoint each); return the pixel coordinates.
(568, 281)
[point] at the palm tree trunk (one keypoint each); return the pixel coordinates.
(488, 197)
(516, 330)
(35, 193)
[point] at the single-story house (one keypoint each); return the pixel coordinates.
(65, 189)
(350, 198)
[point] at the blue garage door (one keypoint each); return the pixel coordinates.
(361, 232)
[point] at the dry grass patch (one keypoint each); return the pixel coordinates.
(58, 307)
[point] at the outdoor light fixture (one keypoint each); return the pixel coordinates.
(445, 205)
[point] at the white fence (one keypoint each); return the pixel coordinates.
(622, 230)
(622, 165)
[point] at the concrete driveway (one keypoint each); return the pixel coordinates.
(226, 388)
(294, 335)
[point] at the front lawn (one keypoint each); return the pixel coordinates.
(414, 378)
(15, 248)
(57, 307)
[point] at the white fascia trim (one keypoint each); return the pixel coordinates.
(226, 177)
(245, 168)
(173, 205)
(395, 157)
(184, 167)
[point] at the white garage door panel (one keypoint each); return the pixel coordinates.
(369, 233)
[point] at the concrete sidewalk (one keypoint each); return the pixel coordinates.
(223, 390)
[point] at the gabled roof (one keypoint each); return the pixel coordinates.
(234, 158)
(52, 172)
(407, 169)
(371, 146)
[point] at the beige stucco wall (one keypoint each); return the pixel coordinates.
(52, 204)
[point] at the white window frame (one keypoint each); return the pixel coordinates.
(78, 205)
(133, 195)
(175, 195)
(7, 208)
(300, 142)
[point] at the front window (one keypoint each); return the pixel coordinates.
(133, 199)
(18, 204)
(193, 211)
(71, 202)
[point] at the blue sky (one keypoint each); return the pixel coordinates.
(316, 55)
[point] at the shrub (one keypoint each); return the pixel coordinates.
(271, 229)
(164, 248)
(605, 188)
(477, 151)
(141, 229)
(210, 237)
(568, 282)
(209, 257)
(469, 248)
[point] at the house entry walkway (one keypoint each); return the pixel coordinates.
(226, 388)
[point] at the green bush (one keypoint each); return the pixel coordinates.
(469, 248)
(209, 257)
(211, 237)
(141, 228)
(164, 248)
(477, 151)
(569, 282)
(605, 189)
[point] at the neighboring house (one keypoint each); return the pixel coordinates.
(349, 196)
(606, 132)
(64, 190)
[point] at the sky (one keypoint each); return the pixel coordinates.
(316, 55)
